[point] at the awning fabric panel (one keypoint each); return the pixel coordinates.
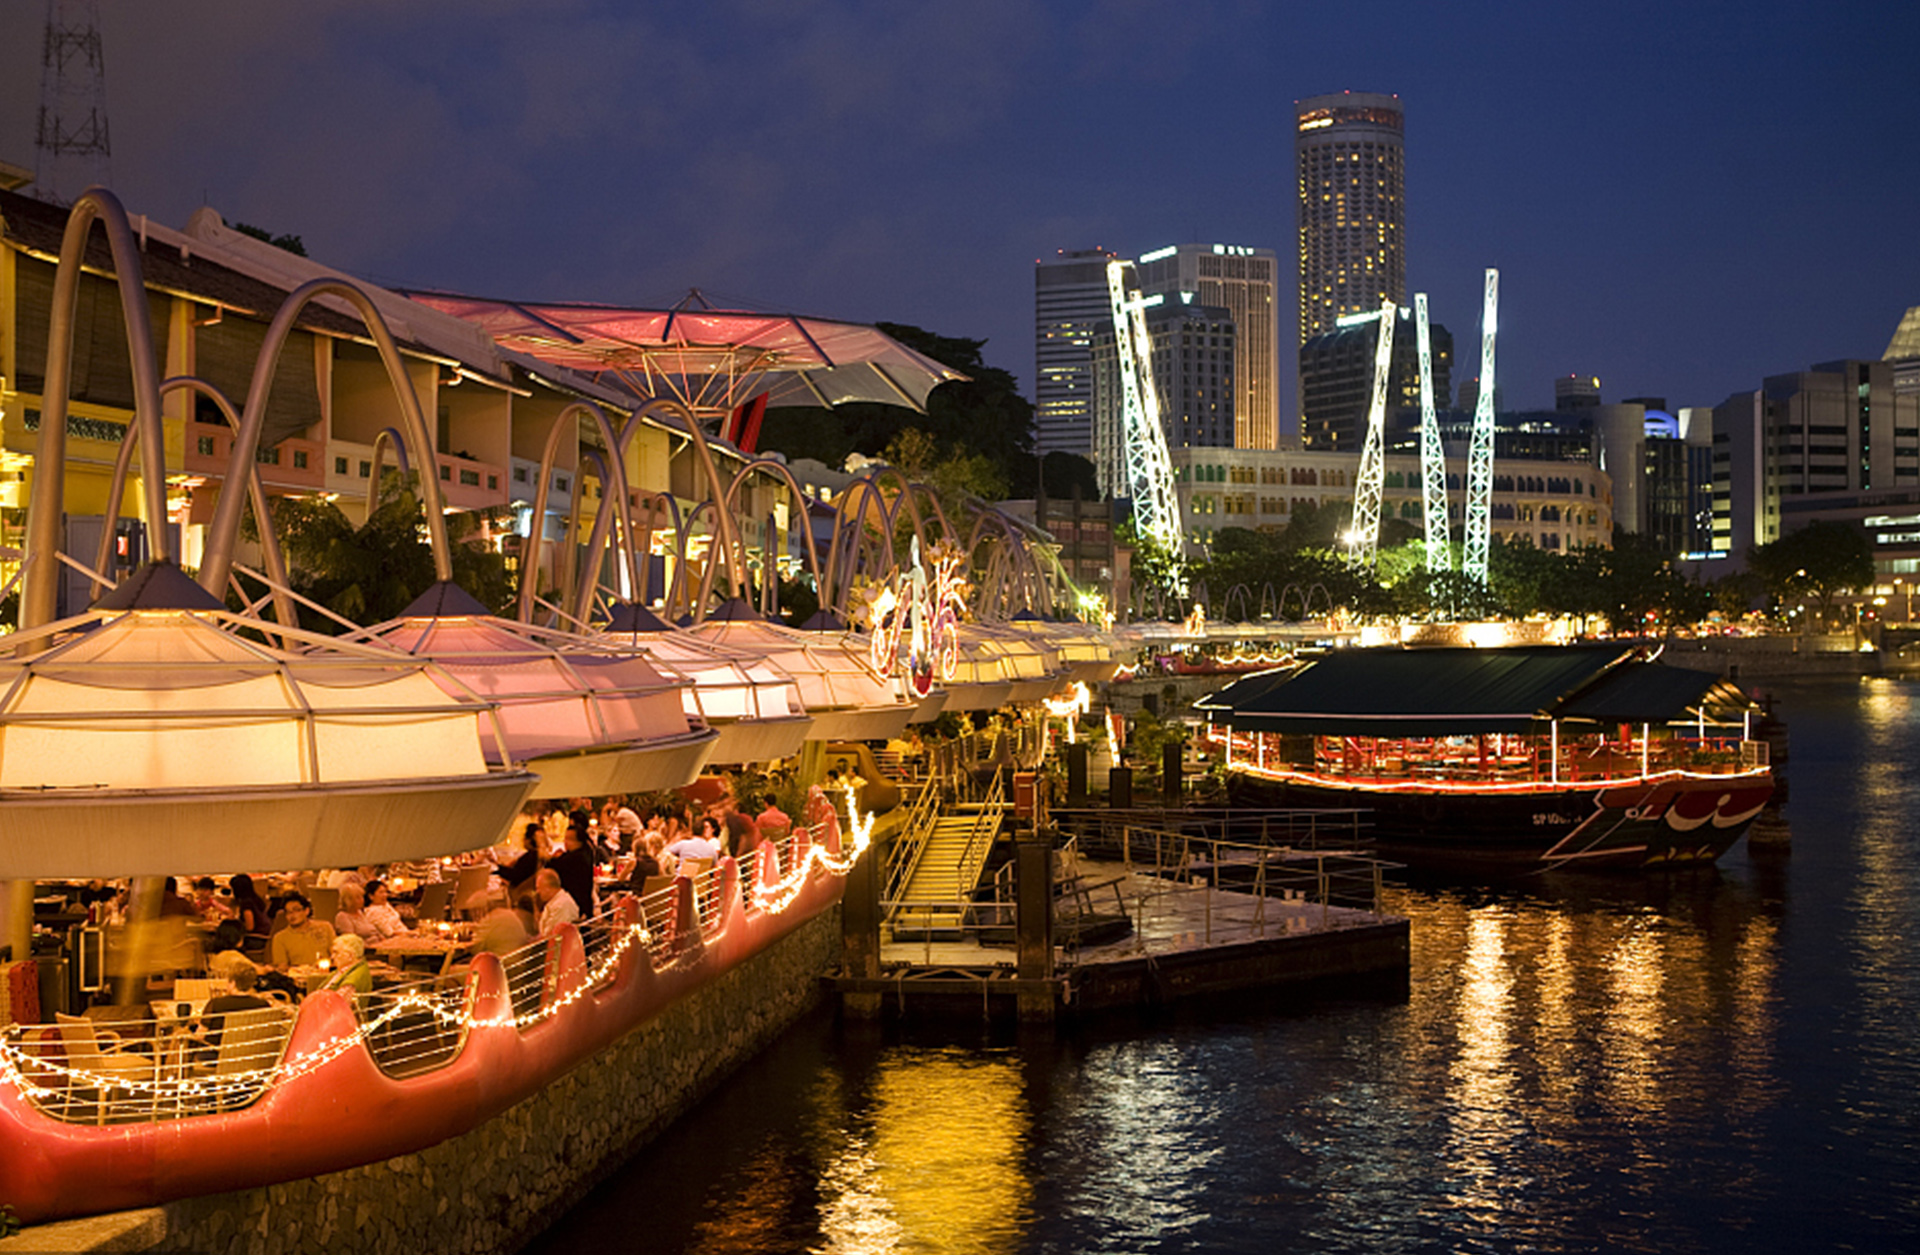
(1422, 693)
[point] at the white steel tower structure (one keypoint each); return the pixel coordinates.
(1149, 469)
(1480, 450)
(1433, 459)
(1364, 544)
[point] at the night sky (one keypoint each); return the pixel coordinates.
(1681, 197)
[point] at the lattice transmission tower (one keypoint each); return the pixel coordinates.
(1363, 542)
(1480, 451)
(1156, 511)
(1433, 457)
(71, 147)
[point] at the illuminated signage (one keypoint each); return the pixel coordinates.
(1158, 254)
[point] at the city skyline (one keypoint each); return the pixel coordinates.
(1636, 174)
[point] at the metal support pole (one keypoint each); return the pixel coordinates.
(1033, 927)
(860, 928)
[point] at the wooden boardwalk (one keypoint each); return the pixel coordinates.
(1181, 940)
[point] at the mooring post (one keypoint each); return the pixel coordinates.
(1171, 755)
(1120, 788)
(1077, 774)
(860, 929)
(1033, 925)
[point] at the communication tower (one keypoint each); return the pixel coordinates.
(1149, 467)
(71, 149)
(1363, 542)
(1480, 451)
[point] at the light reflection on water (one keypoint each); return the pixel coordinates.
(1716, 1061)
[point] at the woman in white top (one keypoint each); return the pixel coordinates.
(352, 918)
(380, 915)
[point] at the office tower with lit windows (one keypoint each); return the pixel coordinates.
(1070, 302)
(1245, 282)
(1351, 166)
(1336, 378)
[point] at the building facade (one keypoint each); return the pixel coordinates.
(1336, 378)
(1576, 392)
(1350, 161)
(212, 292)
(1194, 356)
(1246, 283)
(1070, 302)
(1556, 504)
(1842, 430)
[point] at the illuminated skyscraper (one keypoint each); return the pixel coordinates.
(1070, 302)
(1246, 283)
(1352, 206)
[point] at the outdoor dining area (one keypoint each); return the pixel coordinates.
(191, 1011)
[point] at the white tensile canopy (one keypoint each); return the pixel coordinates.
(754, 706)
(847, 699)
(1033, 663)
(144, 738)
(589, 718)
(1086, 652)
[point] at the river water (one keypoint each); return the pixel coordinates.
(1722, 1060)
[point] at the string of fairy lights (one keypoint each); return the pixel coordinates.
(40, 1078)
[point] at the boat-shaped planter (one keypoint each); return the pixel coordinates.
(327, 1103)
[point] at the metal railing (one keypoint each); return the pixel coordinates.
(1099, 828)
(986, 827)
(1321, 878)
(910, 842)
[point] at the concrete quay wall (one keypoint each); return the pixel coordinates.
(495, 1188)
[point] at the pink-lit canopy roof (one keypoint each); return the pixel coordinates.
(558, 695)
(711, 359)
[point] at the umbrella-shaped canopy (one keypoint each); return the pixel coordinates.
(149, 736)
(752, 704)
(711, 359)
(590, 718)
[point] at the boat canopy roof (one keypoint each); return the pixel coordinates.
(1459, 692)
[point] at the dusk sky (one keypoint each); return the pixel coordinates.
(1681, 197)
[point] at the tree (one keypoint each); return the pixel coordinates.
(368, 574)
(287, 243)
(1819, 561)
(982, 416)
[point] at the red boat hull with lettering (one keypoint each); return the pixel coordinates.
(1670, 819)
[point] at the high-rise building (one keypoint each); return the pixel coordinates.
(1576, 392)
(1069, 302)
(1246, 283)
(1840, 430)
(1352, 206)
(1336, 378)
(1193, 380)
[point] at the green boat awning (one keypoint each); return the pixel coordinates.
(1461, 692)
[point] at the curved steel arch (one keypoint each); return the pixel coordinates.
(40, 585)
(223, 532)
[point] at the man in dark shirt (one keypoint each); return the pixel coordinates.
(574, 866)
(171, 903)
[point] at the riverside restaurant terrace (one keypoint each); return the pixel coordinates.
(391, 937)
